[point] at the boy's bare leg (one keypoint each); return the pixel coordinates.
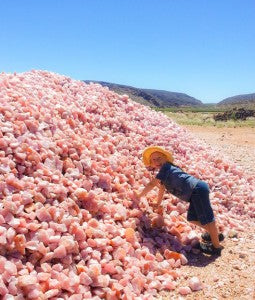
(213, 231)
(198, 224)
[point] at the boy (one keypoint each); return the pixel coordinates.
(186, 187)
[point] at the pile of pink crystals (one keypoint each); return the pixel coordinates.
(70, 160)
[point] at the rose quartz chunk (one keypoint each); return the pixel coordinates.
(195, 284)
(25, 280)
(11, 268)
(60, 252)
(184, 290)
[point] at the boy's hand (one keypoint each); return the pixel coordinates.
(136, 198)
(157, 207)
(160, 209)
(154, 204)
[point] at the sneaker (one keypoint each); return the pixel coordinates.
(206, 237)
(210, 249)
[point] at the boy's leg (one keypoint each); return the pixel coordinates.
(213, 231)
(214, 234)
(200, 211)
(198, 224)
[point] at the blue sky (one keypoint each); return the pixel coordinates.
(203, 48)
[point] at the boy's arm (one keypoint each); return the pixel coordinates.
(148, 188)
(161, 194)
(156, 204)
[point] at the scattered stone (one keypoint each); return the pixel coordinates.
(235, 240)
(185, 290)
(250, 291)
(237, 267)
(232, 234)
(242, 255)
(220, 284)
(195, 284)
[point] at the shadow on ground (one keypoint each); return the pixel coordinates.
(158, 239)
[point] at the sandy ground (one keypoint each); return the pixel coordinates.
(237, 144)
(232, 275)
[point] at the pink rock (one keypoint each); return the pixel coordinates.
(43, 276)
(12, 287)
(81, 194)
(109, 268)
(3, 240)
(42, 249)
(93, 223)
(168, 284)
(33, 226)
(14, 182)
(54, 284)
(43, 215)
(117, 241)
(10, 267)
(51, 293)
(76, 297)
(184, 260)
(26, 280)
(32, 125)
(195, 284)
(60, 252)
(102, 281)
(3, 260)
(3, 288)
(2, 220)
(47, 257)
(32, 245)
(185, 290)
(34, 294)
(57, 267)
(85, 279)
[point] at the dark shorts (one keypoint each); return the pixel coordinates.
(200, 207)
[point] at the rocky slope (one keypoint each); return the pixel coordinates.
(70, 161)
(246, 99)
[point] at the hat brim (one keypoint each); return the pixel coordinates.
(148, 152)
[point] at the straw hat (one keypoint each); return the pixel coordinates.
(149, 150)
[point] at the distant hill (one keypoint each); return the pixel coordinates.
(154, 98)
(240, 100)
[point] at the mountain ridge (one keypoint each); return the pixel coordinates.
(239, 99)
(163, 99)
(151, 97)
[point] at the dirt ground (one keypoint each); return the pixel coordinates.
(232, 275)
(237, 144)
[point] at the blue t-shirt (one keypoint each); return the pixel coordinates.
(176, 181)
